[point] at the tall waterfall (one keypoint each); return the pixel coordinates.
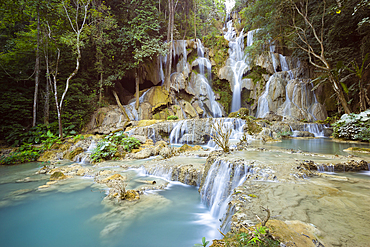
(237, 62)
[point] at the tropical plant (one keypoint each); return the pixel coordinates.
(104, 150)
(25, 153)
(130, 143)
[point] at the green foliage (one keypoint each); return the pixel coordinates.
(25, 153)
(107, 148)
(130, 143)
(49, 140)
(204, 243)
(172, 117)
(259, 237)
(104, 150)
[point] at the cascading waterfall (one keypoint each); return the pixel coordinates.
(237, 61)
(205, 87)
(222, 178)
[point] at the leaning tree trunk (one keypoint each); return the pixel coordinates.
(120, 105)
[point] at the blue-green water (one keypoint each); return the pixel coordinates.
(73, 215)
(317, 145)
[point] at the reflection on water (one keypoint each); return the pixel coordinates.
(317, 145)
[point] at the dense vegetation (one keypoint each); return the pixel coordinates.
(67, 56)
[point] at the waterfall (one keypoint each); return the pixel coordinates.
(161, 73)
(316, 129)
(90, 149)
(205, 87)
(237, 61)
(215, 107)
(263, 100)
(222, 178)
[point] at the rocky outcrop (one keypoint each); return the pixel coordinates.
(350, 166)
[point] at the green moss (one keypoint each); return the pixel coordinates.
(74, 153)
(57, 176)
(222, 87)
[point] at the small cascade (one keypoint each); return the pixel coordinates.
(237, 61)
(86, 154)
(131, 109)
(316, 129)
(183, 131)
(222, 178)
(178, 130)
(159, 171)
(206, 88)
(273, 58)
(263, 100)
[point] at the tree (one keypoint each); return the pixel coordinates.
(315, 47)
(73, 39)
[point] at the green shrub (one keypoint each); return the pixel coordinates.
(107, 148)
(104, 150)
(130, 143)
(353, 126)
(24, 154)
(172, 117)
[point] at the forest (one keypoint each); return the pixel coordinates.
(62, 60)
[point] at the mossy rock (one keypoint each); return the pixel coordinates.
(244, 111)
(143, 123)
(233, 114)
(253, 127)
(48, 155)
(73, 153)
(57, 176)
(130, 195)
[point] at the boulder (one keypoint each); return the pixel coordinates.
(56, 176)
(189, 109)
(140, 138)
(143, 154)
(157, 97)
(303, 134)
(165, 152)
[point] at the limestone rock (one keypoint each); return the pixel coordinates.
(189, 109)
(57, 176)
(157, 97)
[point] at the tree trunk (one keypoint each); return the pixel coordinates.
(137, 82)
(47, 94)
(120, 105)
(37, 68)
(169, 36)
(338, 90)
(101, 89)
(195, 21)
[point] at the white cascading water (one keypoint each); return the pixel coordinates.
(222, 178)
(237, 62)
(90, 149)
(205, 87)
